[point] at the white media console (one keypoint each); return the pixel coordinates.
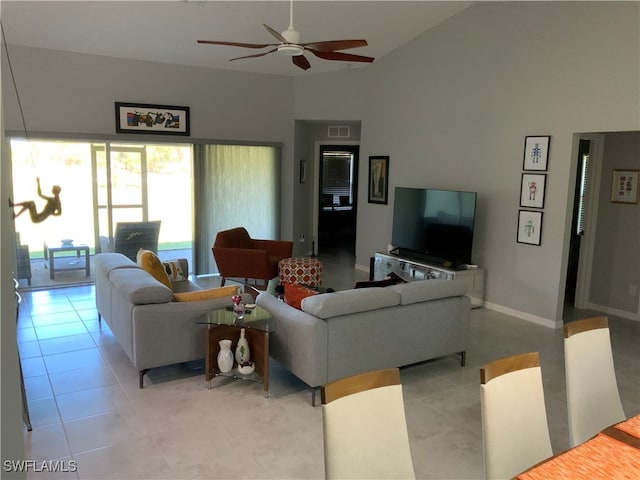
(412, 270)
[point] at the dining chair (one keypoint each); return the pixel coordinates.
(593, 400)
(365, 428)
(515, 431)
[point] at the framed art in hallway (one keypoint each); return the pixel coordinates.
(624, 186)
(532, 190)
(529, 227)
(536, 153)
(379, 180)
(154, 119)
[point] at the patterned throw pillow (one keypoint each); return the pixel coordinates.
(174, 271)
(294, 294)
(151, 264)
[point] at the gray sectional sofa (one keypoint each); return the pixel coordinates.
(348, 332)
(151, 328)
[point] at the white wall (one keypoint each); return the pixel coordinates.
(12, 438)
(331, 96)
(615, 276)
(66, 92)
(452, 109)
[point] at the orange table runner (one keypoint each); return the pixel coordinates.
(601, 457)
(631, 426)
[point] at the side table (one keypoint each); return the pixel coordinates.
(50, 248)
(223, 324)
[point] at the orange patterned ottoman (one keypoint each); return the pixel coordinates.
(302, 270)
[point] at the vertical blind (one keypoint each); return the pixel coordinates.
(235, 186)
(584, 182)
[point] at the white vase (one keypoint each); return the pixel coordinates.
(242, 350)
(225, 357)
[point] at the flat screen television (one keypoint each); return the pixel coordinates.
(434, 225)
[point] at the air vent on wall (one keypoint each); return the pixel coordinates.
(339, 131)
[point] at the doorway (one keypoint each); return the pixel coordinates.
(120, 193)
(337, 203)
(577, 224)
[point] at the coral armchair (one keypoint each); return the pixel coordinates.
(239, 256)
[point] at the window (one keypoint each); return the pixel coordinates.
(236, 186)
(133, 182)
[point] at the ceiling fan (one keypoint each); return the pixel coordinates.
(290, 45)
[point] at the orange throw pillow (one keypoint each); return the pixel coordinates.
(209, 294)
(151, 264)
(294, 294)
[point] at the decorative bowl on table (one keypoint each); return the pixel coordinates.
(246, 369)
(66, 242)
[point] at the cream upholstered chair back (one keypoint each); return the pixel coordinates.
(593, 400)
(365, 429)
(515, 431)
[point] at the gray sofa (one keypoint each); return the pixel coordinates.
(151, 328)
(348, 332)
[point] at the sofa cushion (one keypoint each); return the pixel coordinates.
(295, 293)
(139, 287)
(208, 294)
(327, 305)
(425, 290)
(111, 261)
(151, 264)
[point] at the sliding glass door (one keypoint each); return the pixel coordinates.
(102, 183)
(120, 193)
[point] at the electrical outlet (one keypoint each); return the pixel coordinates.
(633, 290)
(301, 238)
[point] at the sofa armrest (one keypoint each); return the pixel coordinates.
(426, 290)
(299, 340)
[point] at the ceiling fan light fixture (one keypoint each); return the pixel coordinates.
(290, 49)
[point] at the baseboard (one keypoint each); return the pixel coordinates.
(364, 268)
(614, 311)
(545, 322)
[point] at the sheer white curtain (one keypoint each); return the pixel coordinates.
(235, 186)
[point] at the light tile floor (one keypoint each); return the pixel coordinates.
(85, 403)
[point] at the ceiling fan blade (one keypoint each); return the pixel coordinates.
(275, 33)
(254, 55)
(238, 44)
(301, 61)
(331, 45)
(345, 57)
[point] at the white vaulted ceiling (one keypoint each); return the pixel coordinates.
(166, 31)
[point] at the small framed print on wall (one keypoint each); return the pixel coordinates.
(532, 190)
(624, 186)
(529, 227)
(378, 179)
(536, 153)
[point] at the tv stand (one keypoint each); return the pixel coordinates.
(411, 269)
